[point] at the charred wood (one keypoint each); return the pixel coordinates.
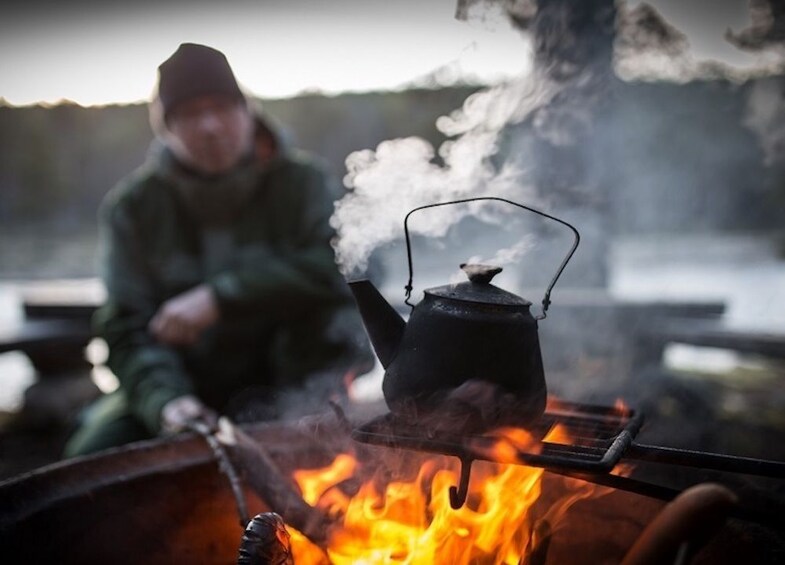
(263, 476)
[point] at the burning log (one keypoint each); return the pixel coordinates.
(540, 540)
(263, 476)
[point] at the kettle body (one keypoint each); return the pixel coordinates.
(450, 340)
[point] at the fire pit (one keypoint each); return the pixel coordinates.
(165, 501)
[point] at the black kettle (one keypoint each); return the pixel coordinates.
(470, 331)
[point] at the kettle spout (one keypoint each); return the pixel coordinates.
(382, 323)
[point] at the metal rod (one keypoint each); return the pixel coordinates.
(701, 459)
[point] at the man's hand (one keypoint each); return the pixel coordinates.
(182, 319)
(179, 412)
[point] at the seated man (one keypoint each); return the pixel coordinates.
(222, 285)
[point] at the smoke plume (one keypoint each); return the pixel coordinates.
(765, 115)
(767, 29)
(402, 174)
(649, 48)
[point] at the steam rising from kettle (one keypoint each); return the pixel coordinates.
(470, 331)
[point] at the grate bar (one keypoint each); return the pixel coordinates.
(701, 459)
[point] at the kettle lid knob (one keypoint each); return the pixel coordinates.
(481, 274)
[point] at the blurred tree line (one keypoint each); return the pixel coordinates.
(702, 156)
(56, 163)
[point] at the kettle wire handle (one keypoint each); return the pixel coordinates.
(546, 301)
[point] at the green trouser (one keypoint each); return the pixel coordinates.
(108, 422)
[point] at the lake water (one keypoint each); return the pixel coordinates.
(742, 270)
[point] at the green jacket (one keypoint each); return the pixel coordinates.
(260, 237)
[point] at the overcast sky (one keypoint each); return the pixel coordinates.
(107, 52)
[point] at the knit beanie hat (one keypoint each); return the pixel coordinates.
(194, 70)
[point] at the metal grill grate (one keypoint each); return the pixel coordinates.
(594, 440)
(598, 437)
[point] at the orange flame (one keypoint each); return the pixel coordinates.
(621, 407)
(412, 521)
(313, 483)
(624, 469)
(558, 434)
(508, 443)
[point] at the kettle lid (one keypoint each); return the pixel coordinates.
(479, 288)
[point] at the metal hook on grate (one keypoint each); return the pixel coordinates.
(458, 495)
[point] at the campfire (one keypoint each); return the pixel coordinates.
(351, 502)
(379, 505)
(412, 520)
